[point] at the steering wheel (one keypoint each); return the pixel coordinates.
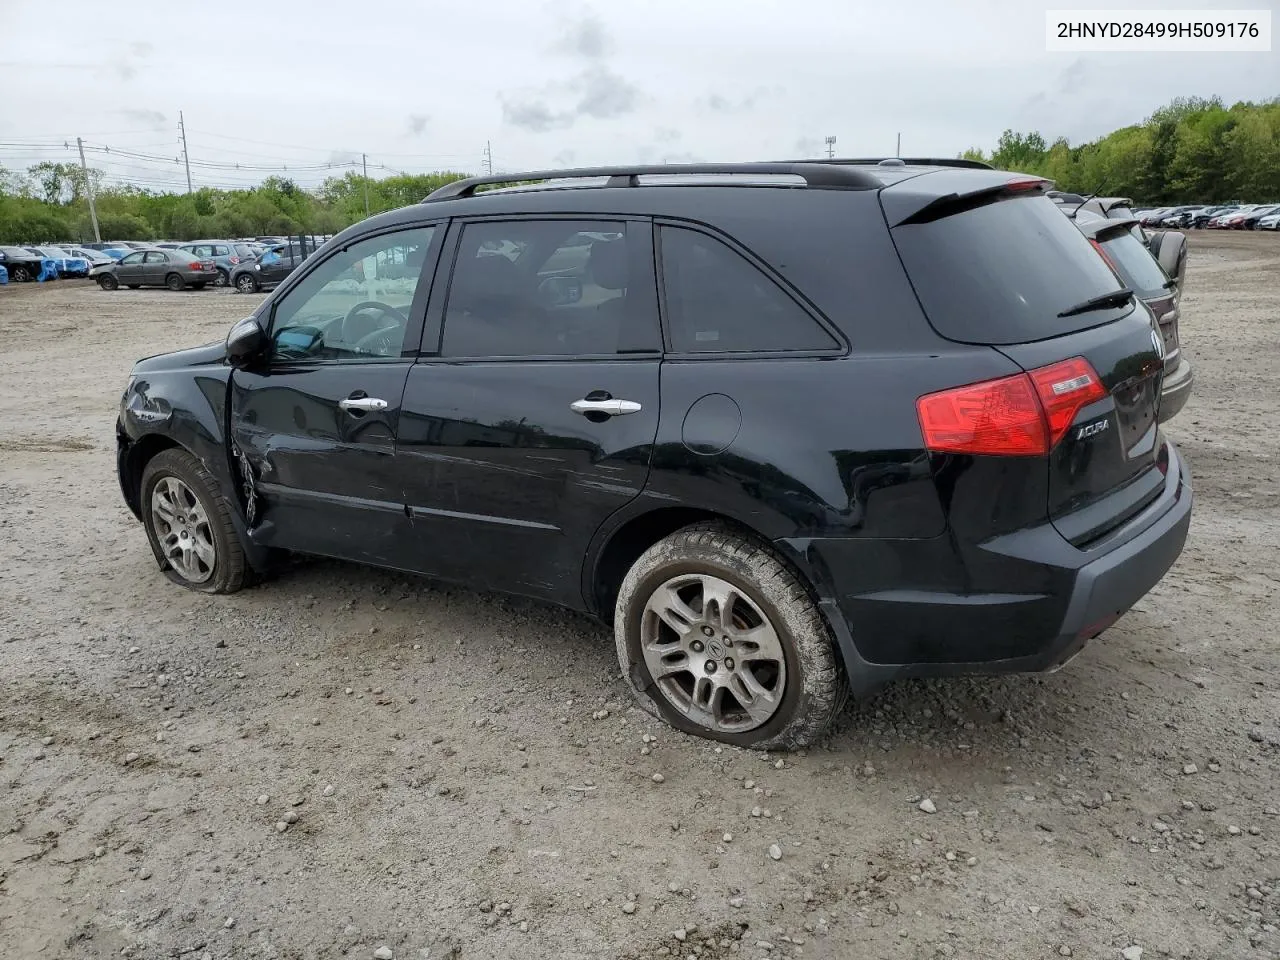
(353, 335)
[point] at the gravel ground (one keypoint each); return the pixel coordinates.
(348, 762)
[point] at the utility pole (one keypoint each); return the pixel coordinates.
(831, 148)
(186, 159)
(488, 158)
(364, 166)
(899, 153)
(88, 188)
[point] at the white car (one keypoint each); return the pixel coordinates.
(1270, 222)
(96, 258)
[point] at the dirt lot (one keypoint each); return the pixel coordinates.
(459, 793)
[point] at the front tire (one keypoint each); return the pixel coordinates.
(20, 274)
(174, 282)
(108, 282)
(188, 524)
(717, 636)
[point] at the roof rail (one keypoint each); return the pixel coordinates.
(910, 161)
(821, 175)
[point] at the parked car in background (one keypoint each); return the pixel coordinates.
(21, 263)
(699, 475)
(174, 269)
(1270, 222)
(1255, 216)
(276, 262)
(69, 265)
(96, 258)
(1153, 217)
(1201, 217)
(226, 254)
(1138, 270)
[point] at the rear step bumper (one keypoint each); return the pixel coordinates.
(1176, 390)
(1004, 632)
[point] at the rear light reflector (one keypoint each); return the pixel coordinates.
(1021, 185)
(1024, 415)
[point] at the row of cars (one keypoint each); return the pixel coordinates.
(1235, 216)
(246, 265)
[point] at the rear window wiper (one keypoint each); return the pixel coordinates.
(1116, 298)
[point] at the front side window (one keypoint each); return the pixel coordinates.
(133, 258)
(552, 288)
(720, 302)
(355, 305)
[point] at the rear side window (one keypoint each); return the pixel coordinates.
(1137, 268)
(1003, 271)
(720, 302)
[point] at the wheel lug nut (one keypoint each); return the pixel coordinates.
(728, 642)
(728, 663)
(707, 631)
(711, 666)
(697, 646)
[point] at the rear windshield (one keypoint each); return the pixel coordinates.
(1003, 271)
(1137, 268)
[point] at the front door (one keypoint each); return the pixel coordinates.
(316, 424)
(130, 269)
(536, 418)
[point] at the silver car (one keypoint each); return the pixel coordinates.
(174, 269)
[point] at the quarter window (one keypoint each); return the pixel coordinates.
(528, 288)
(355, 305)
(156, 256)
(718, 301)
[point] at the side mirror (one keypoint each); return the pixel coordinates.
(246, 341)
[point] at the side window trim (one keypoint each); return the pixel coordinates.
(421, 293)
(433, 331)
(842, 347)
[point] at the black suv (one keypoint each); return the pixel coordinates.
(792, 428)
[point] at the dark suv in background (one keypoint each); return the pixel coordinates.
(915, 432)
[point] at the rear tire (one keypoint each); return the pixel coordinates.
(174, 282)
(222, 279)
(756, 666)
(247, 283)
(108, 282)
(188, 524)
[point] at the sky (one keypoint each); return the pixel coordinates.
(303, 89)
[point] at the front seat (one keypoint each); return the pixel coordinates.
(610, 269)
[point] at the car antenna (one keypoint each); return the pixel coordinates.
(1087, 199)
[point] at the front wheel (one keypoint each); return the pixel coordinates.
(19, 274)
(188, 524)
(222, 279)
(174, 282)
(247, 283)
(108, 282)
(720, 638)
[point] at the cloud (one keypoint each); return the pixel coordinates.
(809, 147)
(666, 134)
(343, 157)
(585, 38)
(718, 103)
(535, 115)
(417, 124)
(605, 94)
(150, 118)
(565, 158)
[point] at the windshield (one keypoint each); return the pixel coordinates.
(1137, 268)
(1002, 272)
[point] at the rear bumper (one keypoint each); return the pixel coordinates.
(1176, 390)
(1054, 599)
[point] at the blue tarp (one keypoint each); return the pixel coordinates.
(48, 269)
(4, 275)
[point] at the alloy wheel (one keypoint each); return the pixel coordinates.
(182, 529)
(713, 653)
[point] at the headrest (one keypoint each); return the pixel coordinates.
(608, 263)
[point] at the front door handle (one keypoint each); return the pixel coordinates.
(362, 404)
(608, 408)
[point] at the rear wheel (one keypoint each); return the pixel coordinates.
(717, 636)
(108, 282)
(247, 283)
(222, 279)
(174, 282)
(188, 524)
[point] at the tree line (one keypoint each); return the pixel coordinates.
(1194, 150)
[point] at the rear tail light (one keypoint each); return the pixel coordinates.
(234, 259)
(1024, 415)
(1103, 253)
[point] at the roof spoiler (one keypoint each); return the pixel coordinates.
(910, 162)
(819, 175)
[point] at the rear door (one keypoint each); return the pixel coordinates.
(155, 264)
(532, 418)
(1010, 271)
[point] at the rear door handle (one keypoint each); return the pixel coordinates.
(610, 408)
(362, 404)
